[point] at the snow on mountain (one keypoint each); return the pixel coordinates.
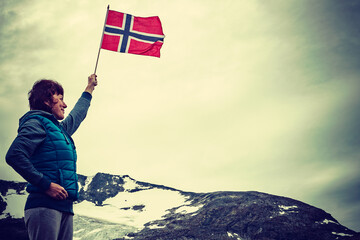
(95, 229)
(132, 208)
(119, 207)
(14, 200)
(123, 203)
(109, 207)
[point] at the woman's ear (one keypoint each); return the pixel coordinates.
(48, 103)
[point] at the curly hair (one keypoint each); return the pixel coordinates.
(42, 92)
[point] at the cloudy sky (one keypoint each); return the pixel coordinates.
(247, 95)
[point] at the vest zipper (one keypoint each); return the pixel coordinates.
(66, 138)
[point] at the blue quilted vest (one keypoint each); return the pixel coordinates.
(56, 157)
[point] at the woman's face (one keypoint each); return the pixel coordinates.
(58, 107)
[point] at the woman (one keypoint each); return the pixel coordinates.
(44, 154)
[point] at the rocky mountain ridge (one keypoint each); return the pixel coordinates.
(119, 207)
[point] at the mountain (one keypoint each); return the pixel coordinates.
(119, 207)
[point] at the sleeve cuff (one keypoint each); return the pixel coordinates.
(86, 95)
(44, 184)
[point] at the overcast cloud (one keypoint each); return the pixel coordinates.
(247, 95)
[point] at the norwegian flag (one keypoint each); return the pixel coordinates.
(129, 34)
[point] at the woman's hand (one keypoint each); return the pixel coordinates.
(56, 191)
(92, 82)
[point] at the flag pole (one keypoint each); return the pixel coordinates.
(102, 36)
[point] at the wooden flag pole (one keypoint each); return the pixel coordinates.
(102, 36)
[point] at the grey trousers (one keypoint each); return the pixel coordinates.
(44, 223)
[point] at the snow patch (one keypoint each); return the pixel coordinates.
(120, 209)
(342, 234)
(287, 209)
(188, 209)
(15, 204)
(156, 226)
(130, 184)
(115, 181)
(233, 235)
(326, 221)
(87, 182)
(93, 229)
(11, 192)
